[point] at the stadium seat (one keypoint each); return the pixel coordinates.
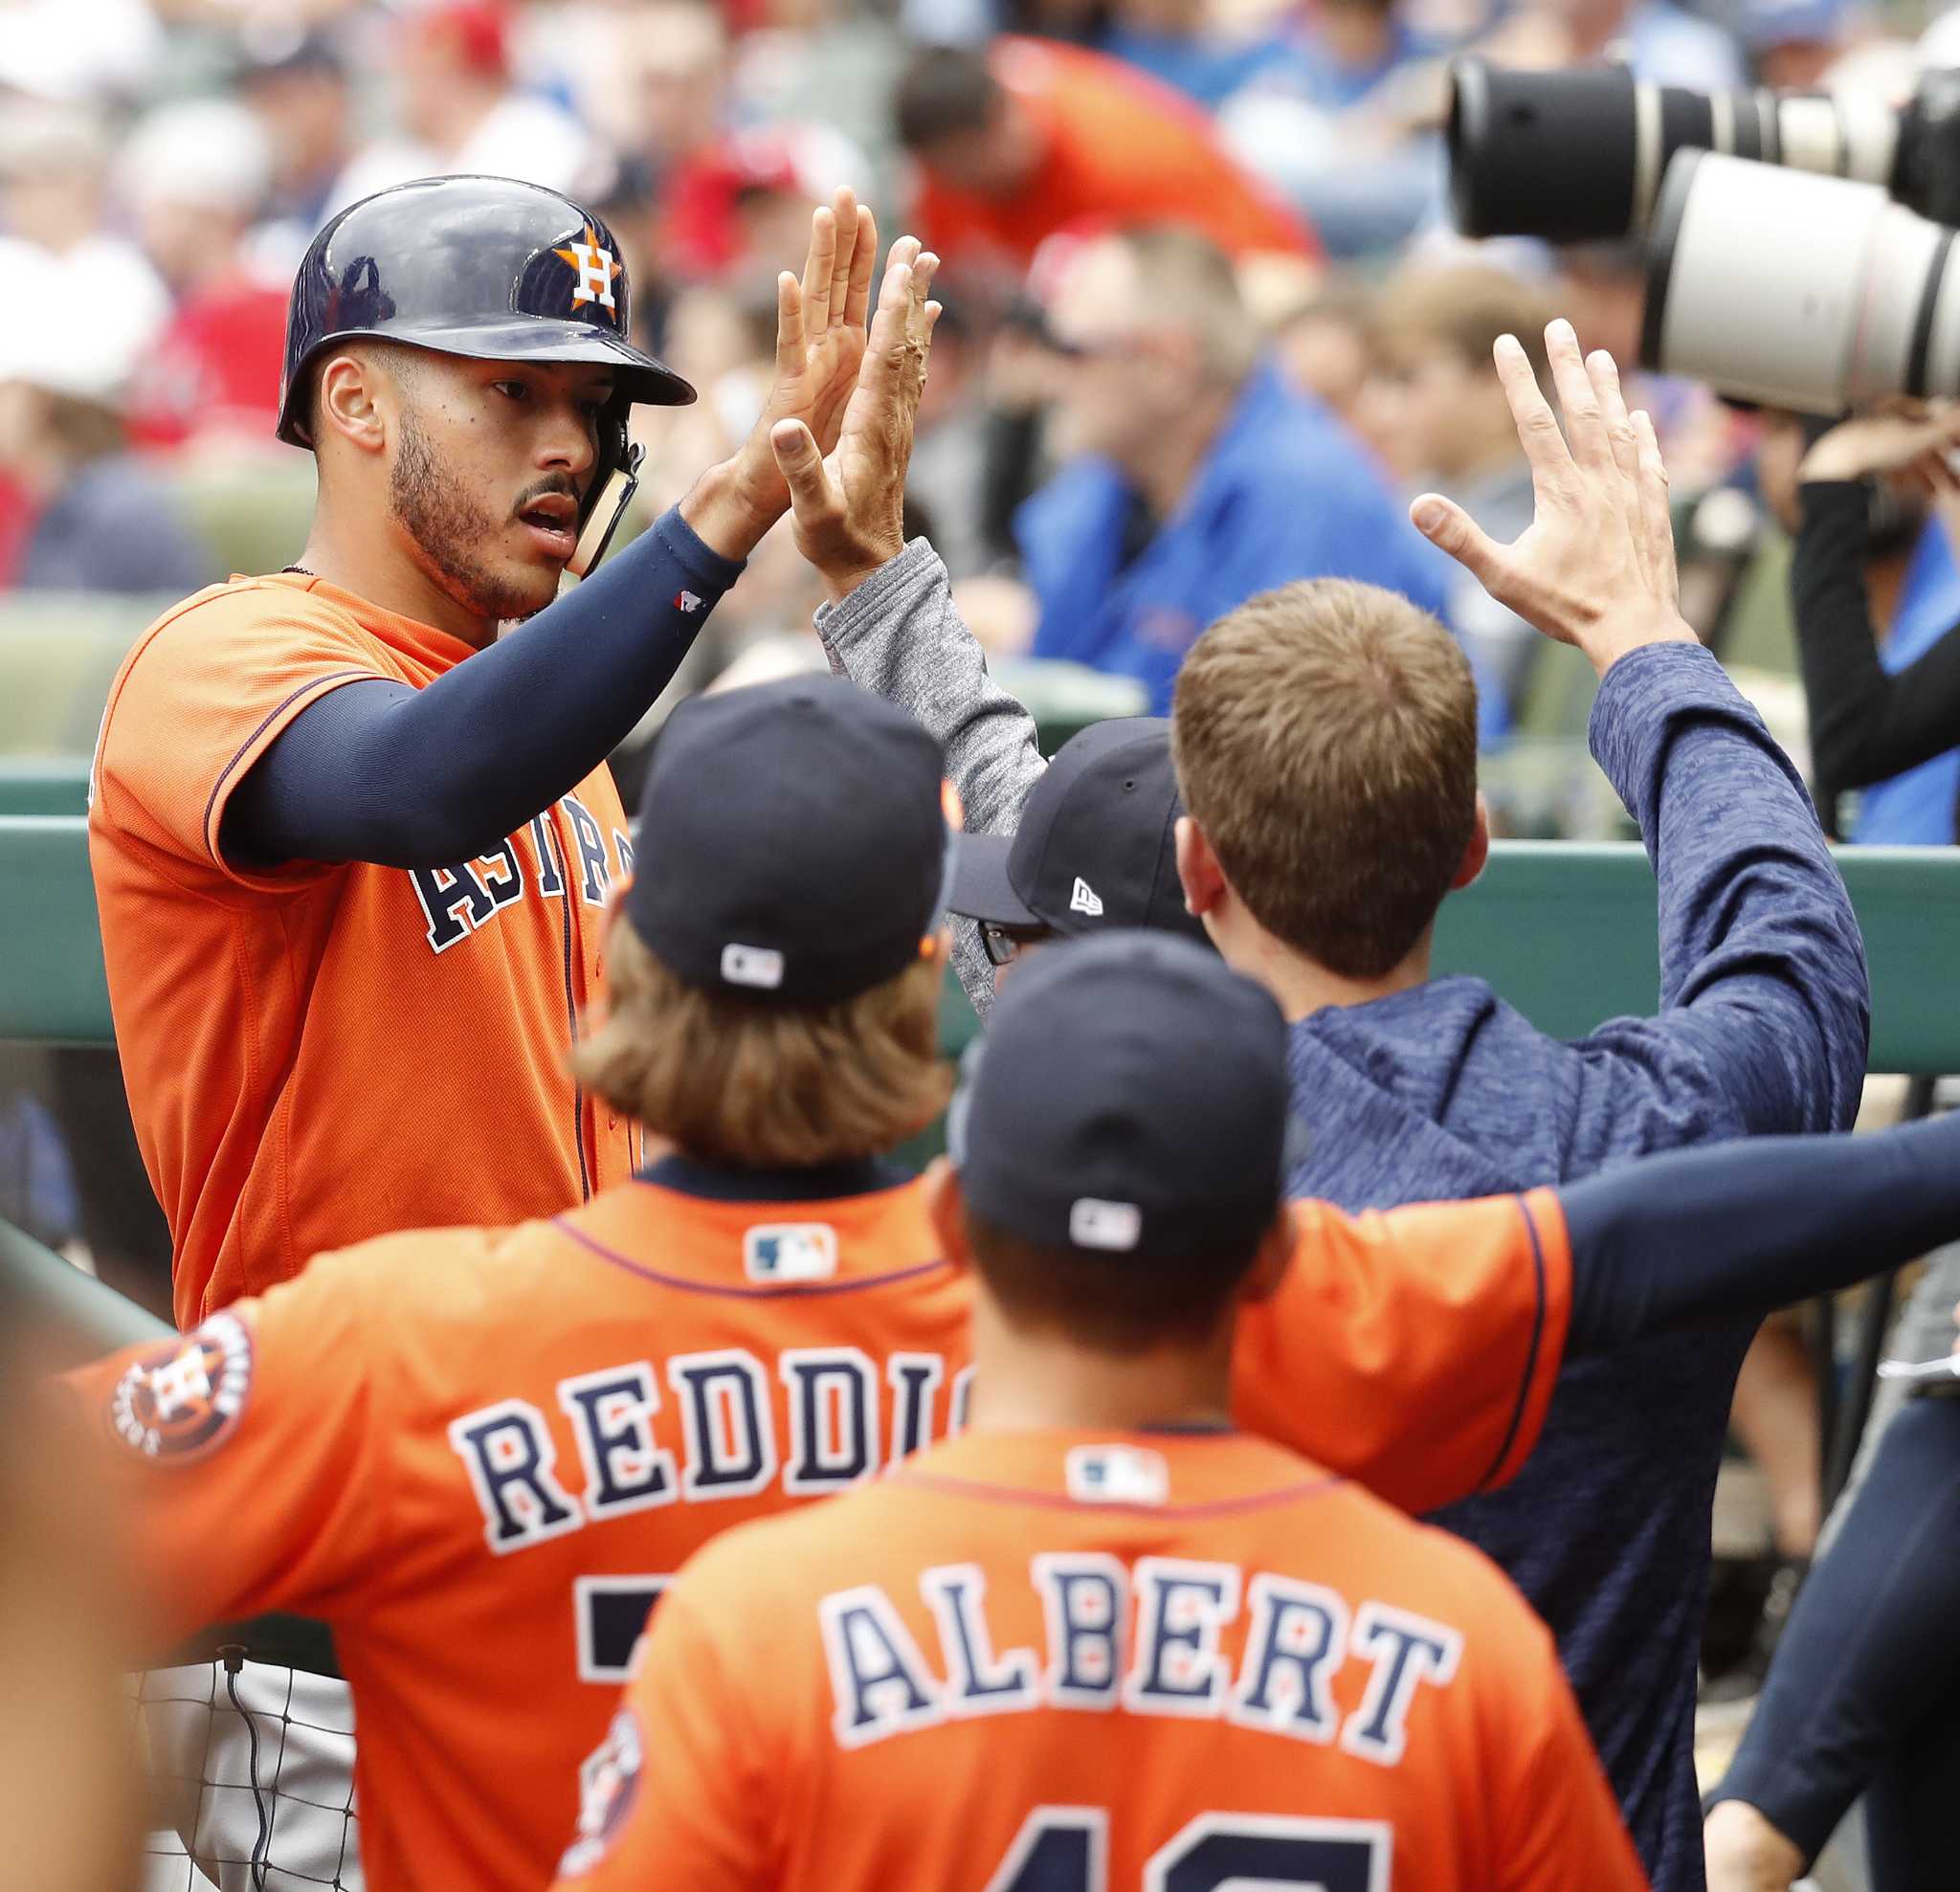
(253, 513)
(58, 654)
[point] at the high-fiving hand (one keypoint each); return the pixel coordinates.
(848, 508)
(1595, 568)
(820, 339)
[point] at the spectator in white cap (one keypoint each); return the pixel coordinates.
(95, 520)
(197, 177)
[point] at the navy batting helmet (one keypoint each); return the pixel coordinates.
(485, 267)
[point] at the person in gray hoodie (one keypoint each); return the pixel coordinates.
(1324, 739)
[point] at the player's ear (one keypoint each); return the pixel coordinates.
(1275, 1250)
(1477, 852)
(1198, 869)
(945, 1207)
(348, 406)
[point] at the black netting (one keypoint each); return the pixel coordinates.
(254, 1770)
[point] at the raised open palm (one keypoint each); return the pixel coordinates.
(850, 501)
(820, 338)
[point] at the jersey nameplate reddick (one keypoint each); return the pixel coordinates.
(728, 1445)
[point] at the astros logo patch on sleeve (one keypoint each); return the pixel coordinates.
(609, 1782)
(180, 1398)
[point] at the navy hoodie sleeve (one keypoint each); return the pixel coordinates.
(406, 777)
(1731, 1232)
(1766, 1003)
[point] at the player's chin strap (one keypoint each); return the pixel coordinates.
(610, 508)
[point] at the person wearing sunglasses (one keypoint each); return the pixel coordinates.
(1096, 850)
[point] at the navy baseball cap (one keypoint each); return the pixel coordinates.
(792, 842)
(1130, 1099)
(1096, 847)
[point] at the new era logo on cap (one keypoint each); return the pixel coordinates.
(760, 967)
(1085, 900)
(1116, 1226)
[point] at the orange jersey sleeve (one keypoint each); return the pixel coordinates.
(207, 691)
(247, 1459)
(1415, 1350)
(693, 1819)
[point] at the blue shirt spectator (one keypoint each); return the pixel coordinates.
(1917, 809)
(1282, 493)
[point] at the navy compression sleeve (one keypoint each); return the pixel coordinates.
(403, 777)
(1740, 1228)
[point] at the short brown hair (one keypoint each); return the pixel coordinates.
(1105, 1304)
(757, 1083)
(1463, 307)
(1325, 741)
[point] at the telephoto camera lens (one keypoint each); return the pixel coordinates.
(1809, 293)
(1577, 157)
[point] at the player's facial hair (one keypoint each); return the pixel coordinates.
(447, 526)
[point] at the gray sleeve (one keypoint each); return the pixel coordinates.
(900, 636)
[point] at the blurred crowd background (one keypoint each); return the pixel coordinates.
(1206, 323)
(1121, 438)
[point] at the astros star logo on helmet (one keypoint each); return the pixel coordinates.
(596, 268)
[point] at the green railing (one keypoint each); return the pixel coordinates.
(1566, 933)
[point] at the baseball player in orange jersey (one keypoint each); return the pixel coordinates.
(480, 1453)
(1105, 1640)
(351, 848)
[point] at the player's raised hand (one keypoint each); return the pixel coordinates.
(820, 340)
(848, 508)
(1595, 568)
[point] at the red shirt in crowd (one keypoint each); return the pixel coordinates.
(1121, 148)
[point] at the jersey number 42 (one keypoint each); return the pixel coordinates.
(1066, 1849)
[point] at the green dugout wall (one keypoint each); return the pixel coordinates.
(1565, 931)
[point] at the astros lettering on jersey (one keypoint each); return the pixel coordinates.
(1173, 1662)
(482, 1454)
(291, 1040)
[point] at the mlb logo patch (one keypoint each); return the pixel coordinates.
(780, 1252)
(1115, 1475)
(1113, 1226)
(759, 967)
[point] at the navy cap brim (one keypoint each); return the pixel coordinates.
(981, 889)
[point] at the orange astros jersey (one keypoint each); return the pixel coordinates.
(322, 1053)
(481, 1454)
(1062, 1661)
